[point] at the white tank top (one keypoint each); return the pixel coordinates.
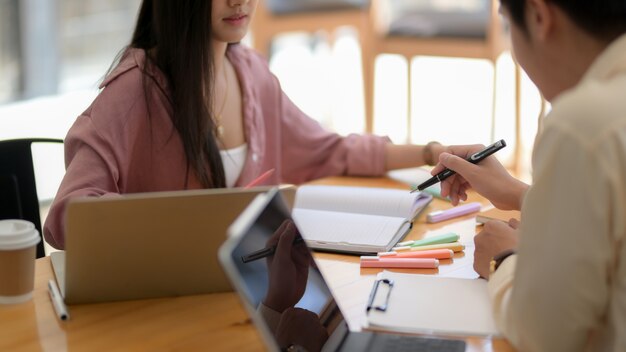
(233, 161)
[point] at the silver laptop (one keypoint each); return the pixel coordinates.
(147, 245)
(285, 294)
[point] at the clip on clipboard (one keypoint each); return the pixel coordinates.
(370, 303)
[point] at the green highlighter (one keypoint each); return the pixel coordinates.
(445, 238)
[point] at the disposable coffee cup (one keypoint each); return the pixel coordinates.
(18, 243)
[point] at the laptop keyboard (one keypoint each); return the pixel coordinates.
(420, 344)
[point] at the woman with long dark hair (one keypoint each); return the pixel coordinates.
(186, 107)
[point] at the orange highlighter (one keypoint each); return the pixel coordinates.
(257, 181)
(408, 263)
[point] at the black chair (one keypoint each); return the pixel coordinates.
(18, 190)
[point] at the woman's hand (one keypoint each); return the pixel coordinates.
(489, 178)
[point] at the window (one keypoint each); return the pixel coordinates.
(10, 66)
(57, 46)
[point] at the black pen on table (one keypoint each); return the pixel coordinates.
(474, 159)
(266, 252)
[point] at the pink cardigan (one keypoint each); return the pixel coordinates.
(114, 148)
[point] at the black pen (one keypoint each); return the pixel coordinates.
(265, 252)
(474, 159)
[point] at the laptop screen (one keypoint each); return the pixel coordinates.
(281, 283)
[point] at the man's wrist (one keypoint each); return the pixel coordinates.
(517, 192)
(523, 189)
(498, 259)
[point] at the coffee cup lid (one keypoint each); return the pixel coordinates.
(17, 234)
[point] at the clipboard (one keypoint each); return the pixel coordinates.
(413, 303)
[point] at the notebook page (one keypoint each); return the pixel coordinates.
(349, 228)
(364, 200)
(413, 176)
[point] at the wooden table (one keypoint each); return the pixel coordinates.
(203, 322)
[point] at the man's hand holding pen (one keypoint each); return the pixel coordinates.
(488, 177)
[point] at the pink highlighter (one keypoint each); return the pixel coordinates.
(441, 215)
(408, 263)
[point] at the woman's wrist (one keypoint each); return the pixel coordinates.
(430, 152)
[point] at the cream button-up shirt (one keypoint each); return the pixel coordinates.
(566, 288)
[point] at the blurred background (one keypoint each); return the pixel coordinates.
(415, 70)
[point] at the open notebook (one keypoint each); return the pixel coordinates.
(355, 219)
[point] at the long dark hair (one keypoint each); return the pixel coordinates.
(180, 31)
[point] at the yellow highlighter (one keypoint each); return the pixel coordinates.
(454, 246)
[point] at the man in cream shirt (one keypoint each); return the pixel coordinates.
(565, 288)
